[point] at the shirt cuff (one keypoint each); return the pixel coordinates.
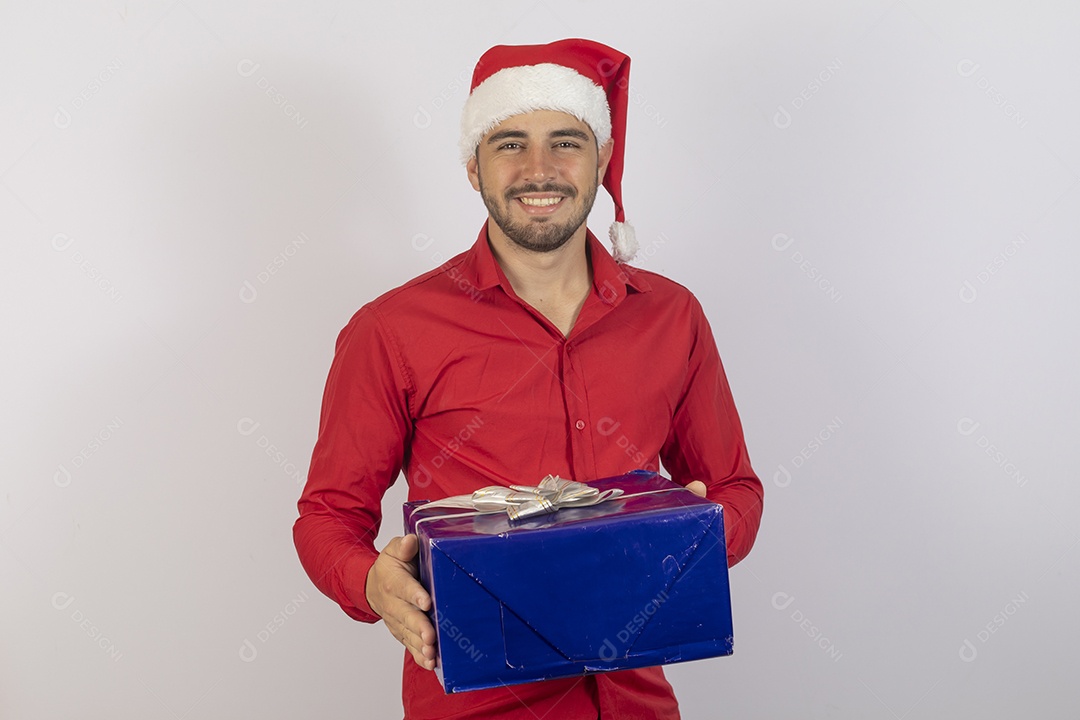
(354, 575)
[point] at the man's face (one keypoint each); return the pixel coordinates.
(538, 173)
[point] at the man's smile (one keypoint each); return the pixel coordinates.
(540, 206)
(540, 202)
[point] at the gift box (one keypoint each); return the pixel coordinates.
(639, 578)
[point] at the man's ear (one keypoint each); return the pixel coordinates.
(603, 156)
(473, 169)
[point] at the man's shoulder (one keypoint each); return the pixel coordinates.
(660, 287)
(432, 292)
(432, 282)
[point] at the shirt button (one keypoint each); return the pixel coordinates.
(580, 425)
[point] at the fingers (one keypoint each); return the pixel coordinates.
(413, 630)
(404, 550)
(408, 589)
(697, 487)
(395, 574)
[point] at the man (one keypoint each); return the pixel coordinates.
(533, 352)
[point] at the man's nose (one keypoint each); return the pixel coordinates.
(539, 164)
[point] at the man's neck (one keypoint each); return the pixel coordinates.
(555, 283)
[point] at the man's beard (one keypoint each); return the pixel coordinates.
(541, 235)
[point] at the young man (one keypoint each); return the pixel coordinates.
(533, 352)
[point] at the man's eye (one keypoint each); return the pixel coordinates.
(567, 144)
(510, 146)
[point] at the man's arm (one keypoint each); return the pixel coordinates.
(363, 431)
(706, 443)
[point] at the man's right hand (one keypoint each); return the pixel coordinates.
(394, 593)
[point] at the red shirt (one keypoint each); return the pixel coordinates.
(457, 381)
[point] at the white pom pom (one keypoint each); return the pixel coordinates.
(623, 241)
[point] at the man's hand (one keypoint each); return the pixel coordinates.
(697, 487)
(395, 595)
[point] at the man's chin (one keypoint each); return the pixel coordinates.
(552, 238)
(539, 246)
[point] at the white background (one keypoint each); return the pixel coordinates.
(877, 203)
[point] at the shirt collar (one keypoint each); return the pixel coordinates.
(610, 279)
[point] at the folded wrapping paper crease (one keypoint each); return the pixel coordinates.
(525, 501)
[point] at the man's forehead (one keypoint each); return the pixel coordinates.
(541, 122)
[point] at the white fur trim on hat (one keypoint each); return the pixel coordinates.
(624, 242)
(516, 90)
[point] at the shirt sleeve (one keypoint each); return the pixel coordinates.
(363, 430)
(706, 442)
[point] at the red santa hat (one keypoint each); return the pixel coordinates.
(579, 77)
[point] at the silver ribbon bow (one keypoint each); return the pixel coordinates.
(525, 501)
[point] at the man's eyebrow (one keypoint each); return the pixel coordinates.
(571, 132)
(505, 134)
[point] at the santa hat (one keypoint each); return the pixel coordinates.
(579, 77)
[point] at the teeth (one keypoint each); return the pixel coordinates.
(540, 202)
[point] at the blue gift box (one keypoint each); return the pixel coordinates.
(637, 580)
